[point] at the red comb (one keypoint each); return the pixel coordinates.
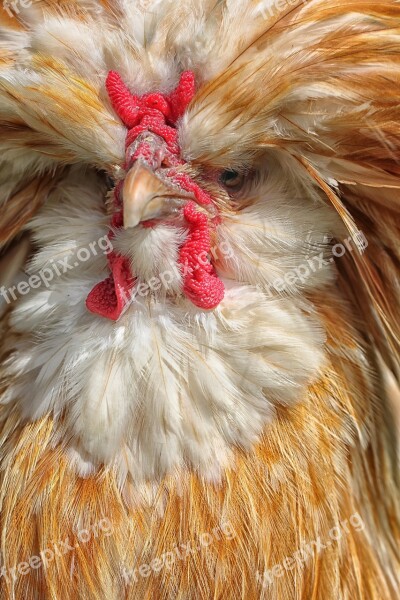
(131, 109)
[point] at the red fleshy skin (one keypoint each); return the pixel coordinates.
(159, 114)
(187, 184)
(183, 95)
(132, 109)
(201, 283)
(109, 297)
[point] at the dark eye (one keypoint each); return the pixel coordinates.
(232, 179)
(110, 183)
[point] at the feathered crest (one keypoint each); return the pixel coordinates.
(317, 80)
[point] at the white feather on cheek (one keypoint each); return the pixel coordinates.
(275, 236)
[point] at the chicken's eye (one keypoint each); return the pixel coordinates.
(110, 183)
(231, 179)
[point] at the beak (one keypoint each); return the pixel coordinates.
(145, 196)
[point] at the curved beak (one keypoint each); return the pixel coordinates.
(145, 196)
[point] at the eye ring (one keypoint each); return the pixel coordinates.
(232, 179)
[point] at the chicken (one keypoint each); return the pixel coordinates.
(199, 282)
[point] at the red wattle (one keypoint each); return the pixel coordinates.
(201, 284)
(109, 297)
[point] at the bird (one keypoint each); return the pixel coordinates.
(199, 233)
